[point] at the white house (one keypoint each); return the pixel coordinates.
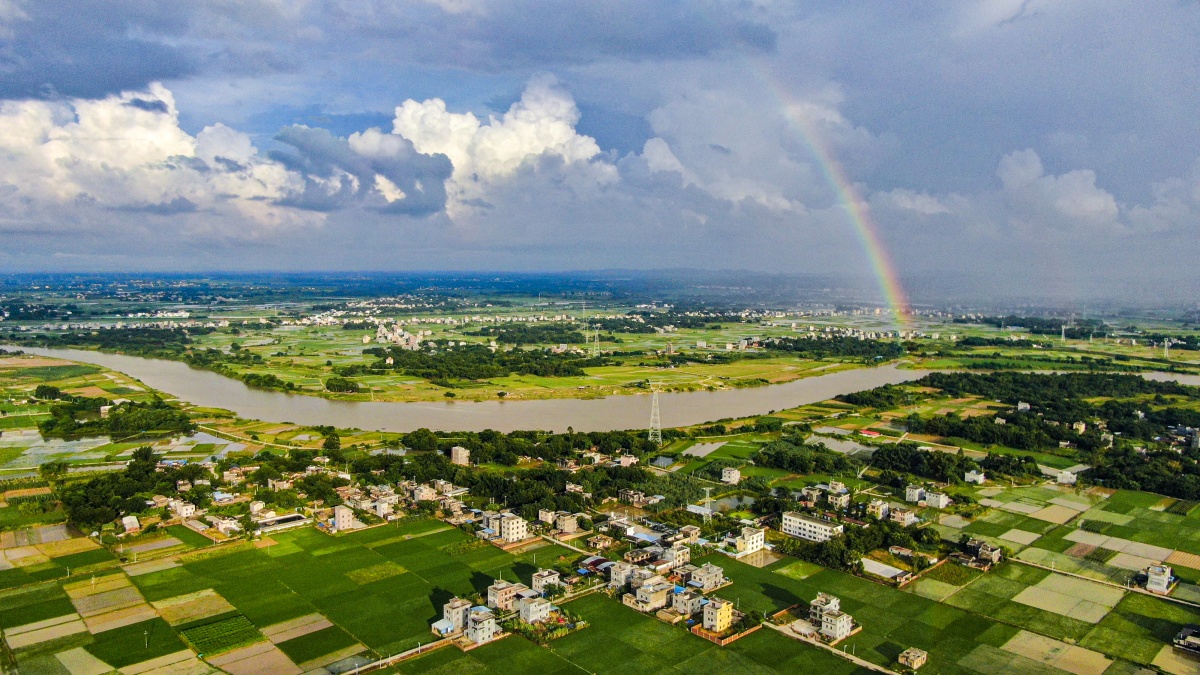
(914, 493)
(731, 475)
(836, 624)
(481, 625)
(543, 578)
(460, 455)
(752, 539)
(937, 500)
(805, 527)
(1158, 579)
(534, 610)
(513, 528)
(976, 477)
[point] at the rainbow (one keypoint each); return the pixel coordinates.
(860, 217)
(856, 207)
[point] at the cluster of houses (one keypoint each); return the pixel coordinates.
(828, 620)
(917, 494)
(978, 554)
(896, 514)
(638, 498)
(397, 335)
(560, 521)
(502, 527)
(480, 624)
(673, 589)
(835, 495)
(446, 494)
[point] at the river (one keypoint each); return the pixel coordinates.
(208, 389)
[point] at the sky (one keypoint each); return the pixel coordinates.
(1030, 146)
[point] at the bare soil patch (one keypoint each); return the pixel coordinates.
(1057, 654)
(192, 607)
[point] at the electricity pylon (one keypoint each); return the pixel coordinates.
(655, 436)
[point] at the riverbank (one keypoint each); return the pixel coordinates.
(207, 389)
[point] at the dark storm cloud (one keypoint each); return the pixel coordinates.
(318, 154)
(86, 49)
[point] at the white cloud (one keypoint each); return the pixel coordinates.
(128, 152)
(540, 125)
(909, 200)
(1069, 200)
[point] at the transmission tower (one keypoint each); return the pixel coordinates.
(596, 344)
(707, 504)
(655, 436)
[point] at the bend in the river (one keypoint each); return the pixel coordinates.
(208, 389)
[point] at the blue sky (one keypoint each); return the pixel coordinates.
(1041, 145)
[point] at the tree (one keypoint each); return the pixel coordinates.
(53, 471)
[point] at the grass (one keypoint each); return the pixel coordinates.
(315, 645)
(384, 586)
(52, 373)
(1138, 627)
(77, 560)
(952, 573)
(135, 643)
(222, 636)
(189, 536)
(30, 605)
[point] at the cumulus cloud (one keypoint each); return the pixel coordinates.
(128, 152)
(1069, 200)
(540, 126)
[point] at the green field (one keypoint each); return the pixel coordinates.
(221, 636)
(135, 643)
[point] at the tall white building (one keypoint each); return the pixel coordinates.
(753, 539)
(481, 625)
(534, 610)
(460, 455)
(343, 518)
(455, 613)
(805, 527)
(513, 528)
(836, 624)
(543, 578)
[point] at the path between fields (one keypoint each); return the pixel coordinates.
(248, 441)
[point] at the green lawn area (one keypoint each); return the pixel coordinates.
(22, 606)
(189, 536)
(135, 643)
(316, 645)
(1138, 627)
(77, 560)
